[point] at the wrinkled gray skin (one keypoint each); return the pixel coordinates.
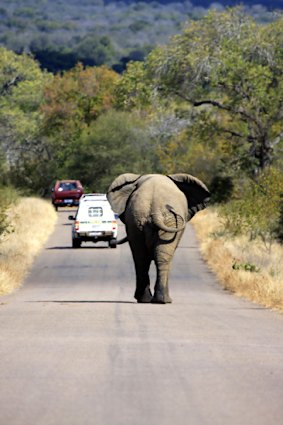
(155, 209)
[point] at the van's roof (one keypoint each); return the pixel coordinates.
(93, 197)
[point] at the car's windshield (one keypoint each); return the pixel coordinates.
(68, 186)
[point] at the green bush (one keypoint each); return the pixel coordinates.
(255, 209)
(221, 188)
(247, 267)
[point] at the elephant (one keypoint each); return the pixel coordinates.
(155, 209)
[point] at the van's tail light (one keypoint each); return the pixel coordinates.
(77, 225)
(114, 225)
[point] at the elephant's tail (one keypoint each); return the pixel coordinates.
(158, 220)
(121, 241)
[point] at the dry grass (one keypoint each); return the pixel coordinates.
(265, 285)
(33, 221)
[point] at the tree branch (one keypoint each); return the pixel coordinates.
(235, 134)
(213, 103)
(5, 87)
(226, 108)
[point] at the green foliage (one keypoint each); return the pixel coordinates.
(114, 144)
(229, 68)
(72, 102)
(134, 90)
(248, 267)
(221, 188)
(184, 144)
(21, 93)
(255, 209)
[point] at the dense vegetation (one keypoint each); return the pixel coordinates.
(209, 102)
(96, 32)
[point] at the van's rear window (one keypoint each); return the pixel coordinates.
(95, 212)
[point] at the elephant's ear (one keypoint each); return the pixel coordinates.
(195, 190)
(120, 190)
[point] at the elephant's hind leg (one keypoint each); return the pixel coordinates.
(161, 293)
(143, 293)
(142, 263)
(161, 289)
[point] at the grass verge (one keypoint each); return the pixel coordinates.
(32, 221)
(246, 268)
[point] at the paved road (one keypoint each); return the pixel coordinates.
(75, 349)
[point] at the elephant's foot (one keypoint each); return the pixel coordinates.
(160, 298)
(145, 297)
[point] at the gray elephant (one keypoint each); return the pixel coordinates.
(155, 209)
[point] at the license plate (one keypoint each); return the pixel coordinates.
(95, 233)
(68, 201)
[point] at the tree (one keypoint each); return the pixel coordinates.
(73, 101)
(77, 97)
(21, 93)
(134, 89)
(117, 142)
(231, 68)
(256, 207)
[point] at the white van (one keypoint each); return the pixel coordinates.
(94, 221)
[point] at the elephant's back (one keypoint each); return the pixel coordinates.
(156, 194)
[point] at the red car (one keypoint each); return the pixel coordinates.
(66, 193)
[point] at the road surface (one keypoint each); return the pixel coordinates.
(76, 349)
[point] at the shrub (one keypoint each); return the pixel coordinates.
(255, 209)
(221, 188)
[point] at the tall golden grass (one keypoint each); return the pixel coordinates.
(32, 220)
(231, 260)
